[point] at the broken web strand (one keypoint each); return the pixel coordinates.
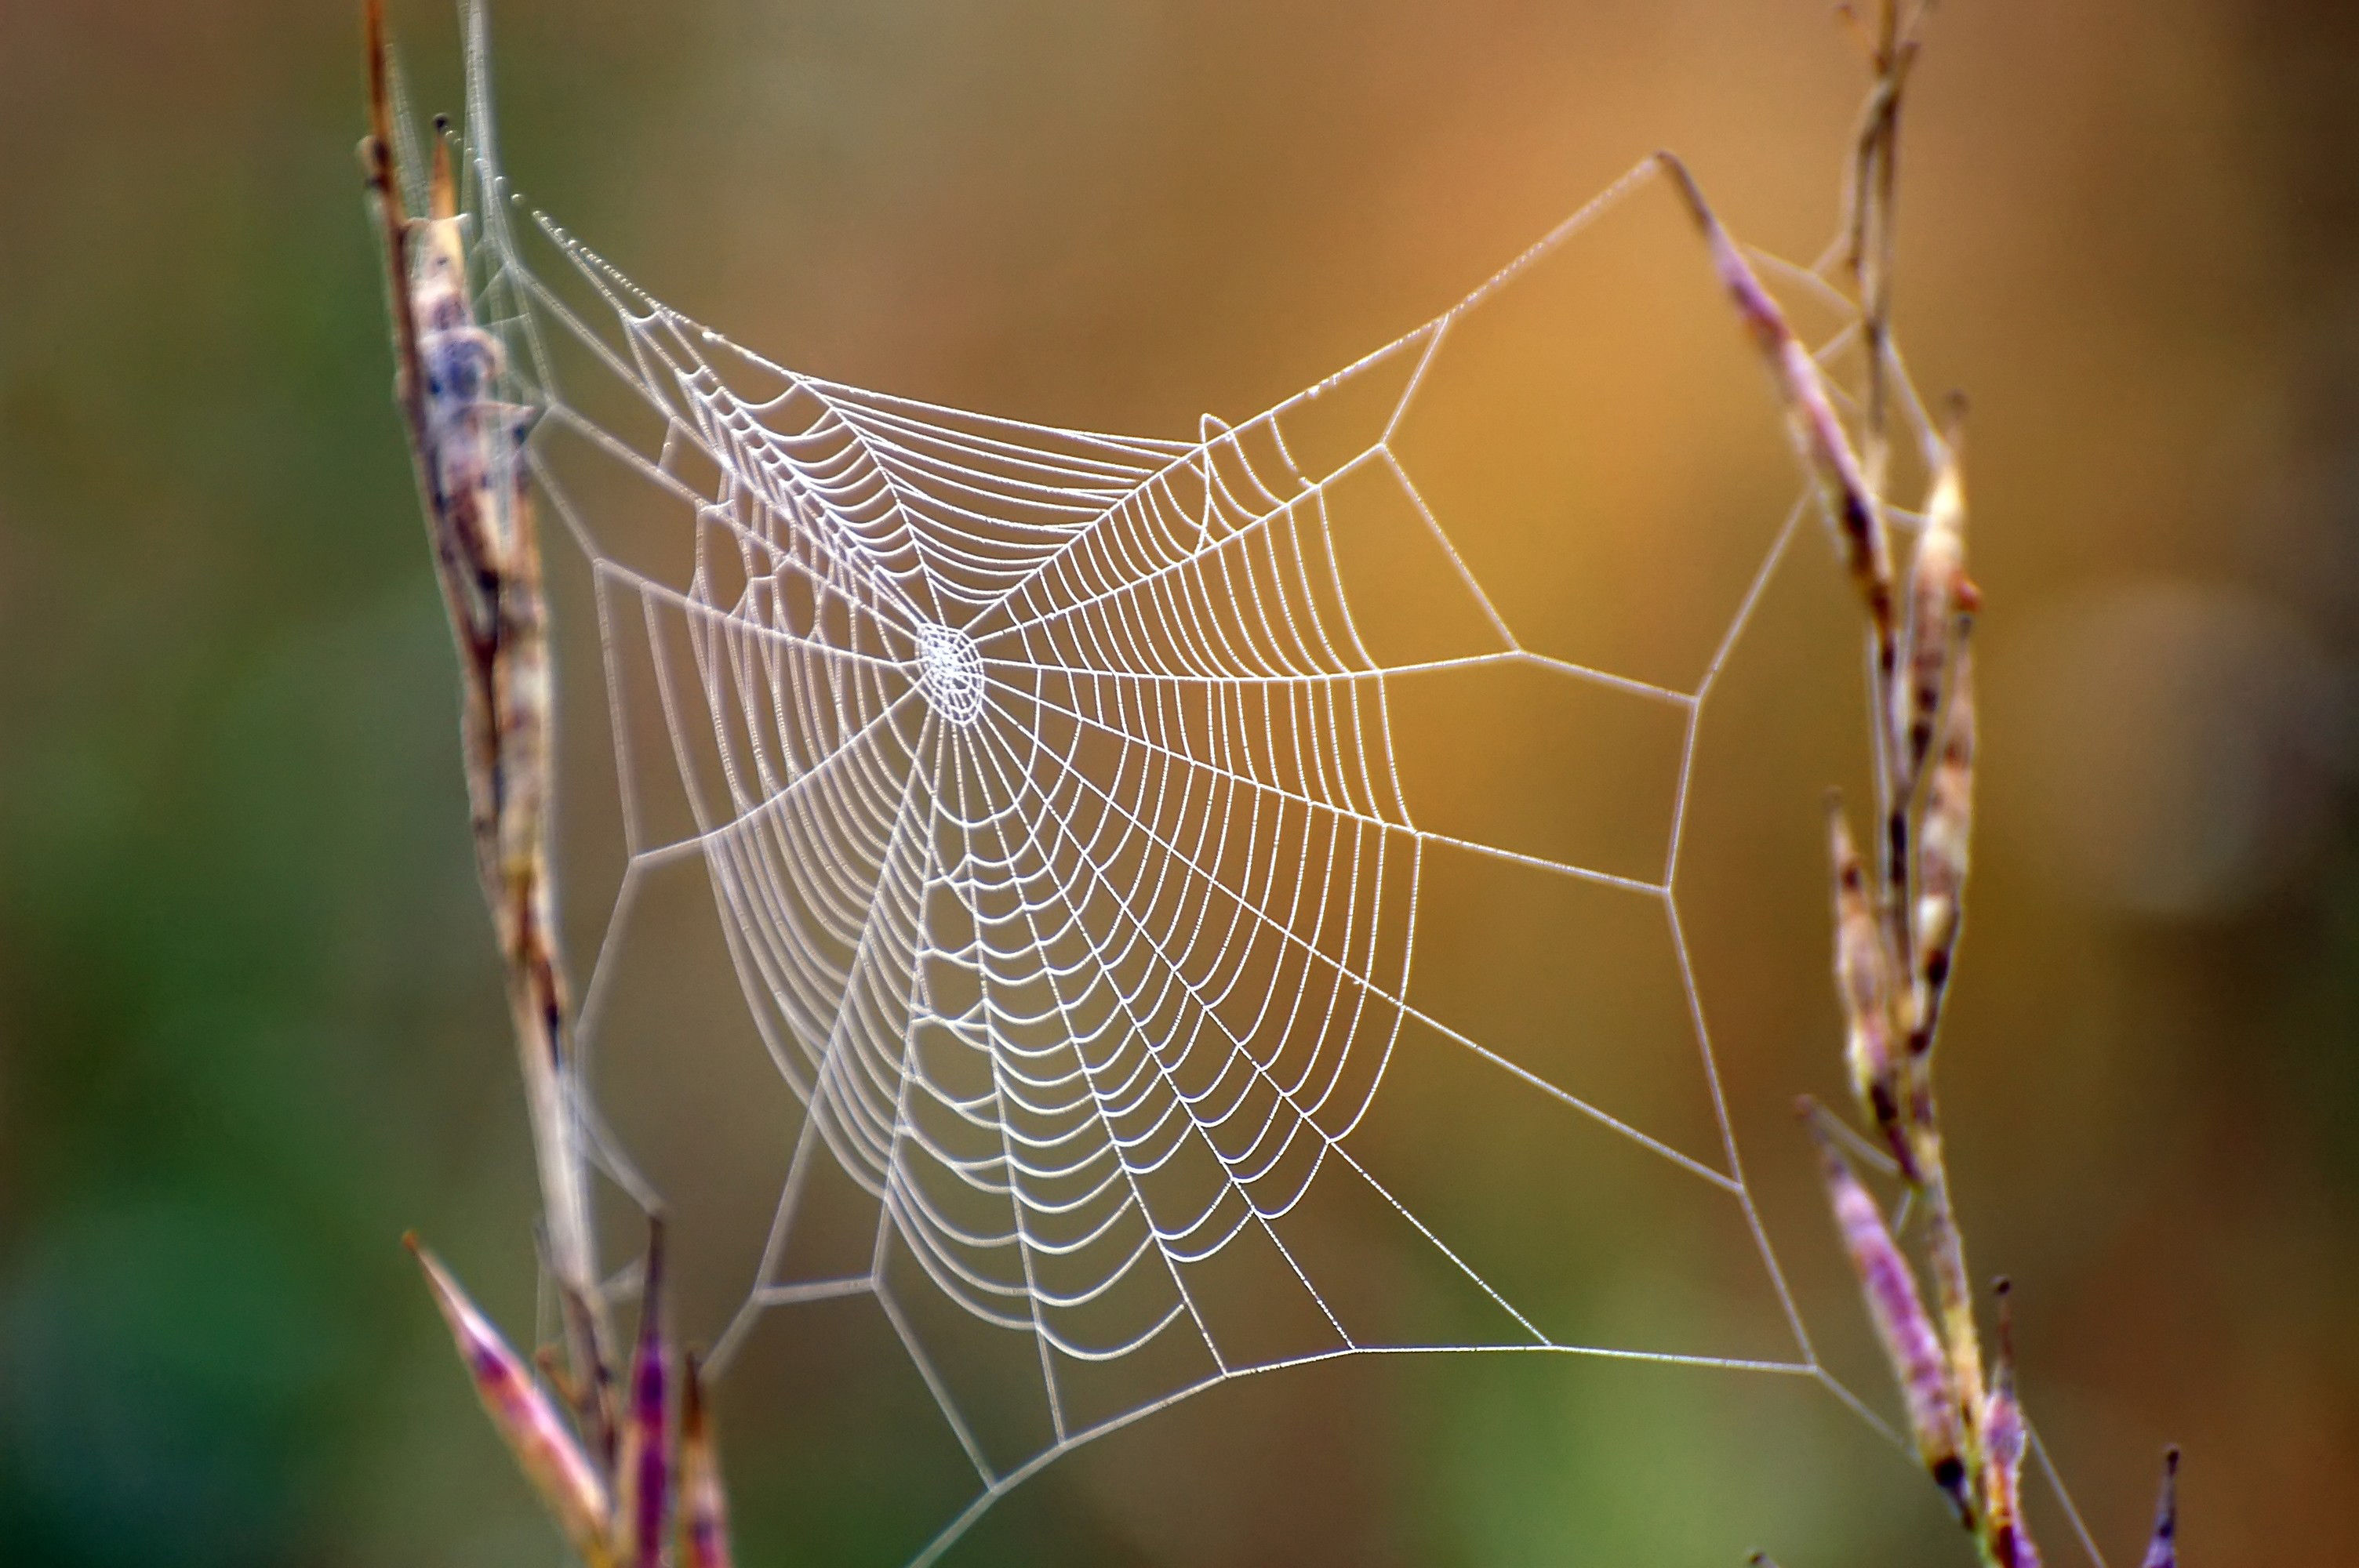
(730, 643)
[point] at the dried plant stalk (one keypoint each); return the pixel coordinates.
(1895, 935)
(466, 448)
(1891, 46)
(611, 1479)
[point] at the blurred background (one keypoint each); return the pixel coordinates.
(250, 1025)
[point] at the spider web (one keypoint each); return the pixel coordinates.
(1046, 788)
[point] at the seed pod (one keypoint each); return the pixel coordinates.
(1940, 597)
(1943, 842)
(2162, 1548)
(1953, 1296)
(1811, 413)
(703, 1501)
(2002, 1438)
(1910, 1346)
(643, 1469)
(1864, 981)
(527, 1419)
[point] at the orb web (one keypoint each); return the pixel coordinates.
(1047, 790)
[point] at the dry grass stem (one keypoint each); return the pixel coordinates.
(466, 448)
(1891, 46)
(1895, 935)
(608, 1478)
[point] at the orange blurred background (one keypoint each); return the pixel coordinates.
(250, 1029)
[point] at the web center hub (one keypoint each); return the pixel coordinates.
(951, 672)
